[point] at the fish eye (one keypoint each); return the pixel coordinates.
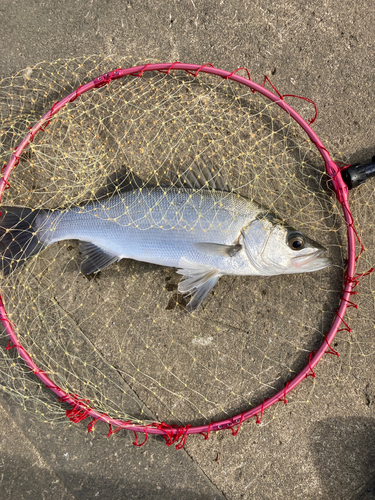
(296, 241)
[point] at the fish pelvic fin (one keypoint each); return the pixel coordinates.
(19, 239)
(95, 259)
(198, 280)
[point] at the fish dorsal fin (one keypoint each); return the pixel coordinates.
(122, 180)
(198, 280)
(95, 259)
(217, 249)
(199, 173)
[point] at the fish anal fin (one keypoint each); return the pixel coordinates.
(198, 280)
(217, 249)
(95, 259)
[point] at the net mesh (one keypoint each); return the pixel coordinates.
(122, 339)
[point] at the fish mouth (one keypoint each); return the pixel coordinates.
(312, 261)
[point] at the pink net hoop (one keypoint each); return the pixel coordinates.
(80, 408)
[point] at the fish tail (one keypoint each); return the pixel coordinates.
(19, 238)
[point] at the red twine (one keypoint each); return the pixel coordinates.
(284, 397)
(91, 425)
(312, 374)
(67, 397)
(330, 349)
(347, 328)
(105, 79)
(236, 431)
(174, 434)
(140, 73)
(19, 346)
(7, 185)
(5, 182)
(76, 94)
(199, 69)
(116, 429)
(259, 420)
(77, 414)
(350, 303)
(38, 371)
(4, 318)
(307, 99)
(50, 115)
(206, 434)
(169, 69)
(80, 408)
(354, 280)
(31, 138)
(234, 72)
(135, 443)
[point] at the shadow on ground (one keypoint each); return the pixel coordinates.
(344, 455)
(39, 460)
(107, 484)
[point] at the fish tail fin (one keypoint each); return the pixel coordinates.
(19, 239)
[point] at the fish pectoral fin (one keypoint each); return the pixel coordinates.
(217, 249)
(95, 259)
(198, 280)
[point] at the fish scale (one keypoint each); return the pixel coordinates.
(155, 225)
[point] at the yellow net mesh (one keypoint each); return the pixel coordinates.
(122, 339)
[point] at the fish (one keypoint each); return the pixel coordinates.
(198, 225)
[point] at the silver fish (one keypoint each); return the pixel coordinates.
(204, 233)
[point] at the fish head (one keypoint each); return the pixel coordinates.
(274, 248)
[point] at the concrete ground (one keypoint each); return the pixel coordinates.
(323, 449)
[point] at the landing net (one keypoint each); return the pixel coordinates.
(119, 346)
